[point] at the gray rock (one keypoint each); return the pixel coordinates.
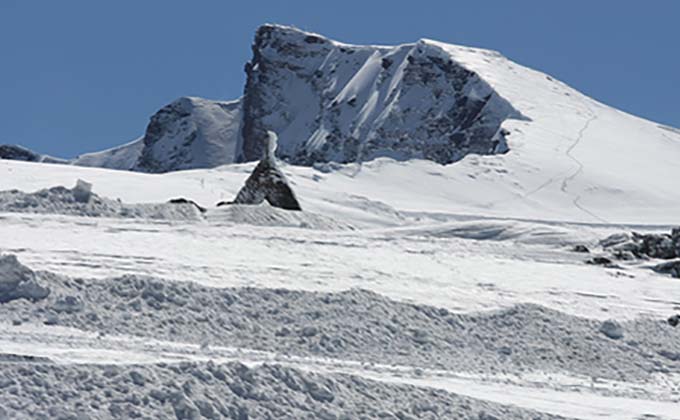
(612, 329)
(669, 267)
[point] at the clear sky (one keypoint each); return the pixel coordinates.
(83, 75)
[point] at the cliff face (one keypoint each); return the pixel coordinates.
(334, 102)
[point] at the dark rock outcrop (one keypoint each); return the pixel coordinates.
(629, 247)
(14, 152)
(581, 249)
(267, 182)
(674, 320)
(182, 200)
(663, 246)
(669, 267)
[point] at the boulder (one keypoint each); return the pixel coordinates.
(612, 329)
(267, 182)
(581, 248)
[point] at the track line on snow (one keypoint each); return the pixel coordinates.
(570, 178)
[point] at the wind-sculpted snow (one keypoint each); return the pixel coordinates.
(266, 215)
(356, 325)
(188, 391)
(62, 200)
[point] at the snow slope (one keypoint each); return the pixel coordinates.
(123, 157)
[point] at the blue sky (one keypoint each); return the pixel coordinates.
(83, 75)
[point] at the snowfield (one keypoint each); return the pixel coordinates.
(405, 289)
(492, 317)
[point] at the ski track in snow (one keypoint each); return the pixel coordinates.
(579, 170)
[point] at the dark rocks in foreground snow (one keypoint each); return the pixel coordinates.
(635, 246)
(19, 282)
(663, 246)
(581, 249)
(225, 391)
(669, 267)
(267, 182)
(603, 261)
(674, 320)
(182, 200)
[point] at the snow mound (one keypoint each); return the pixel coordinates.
(499, 230)
(80, 201)
(266, 215)
(233, 390)
(357, 325)
(19, 282)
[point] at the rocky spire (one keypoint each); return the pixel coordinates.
(267, 182)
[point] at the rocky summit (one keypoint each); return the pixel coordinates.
(345, 103)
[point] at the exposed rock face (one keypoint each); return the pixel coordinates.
(267, 182)
(664, 246)
(18, 281)
(659, 246)
(14, 152)
(335, 102)
(191, 133)
(669, 267)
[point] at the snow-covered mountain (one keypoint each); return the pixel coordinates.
(523, 143)
(336, 102)
(191, 133)
(188, 133)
